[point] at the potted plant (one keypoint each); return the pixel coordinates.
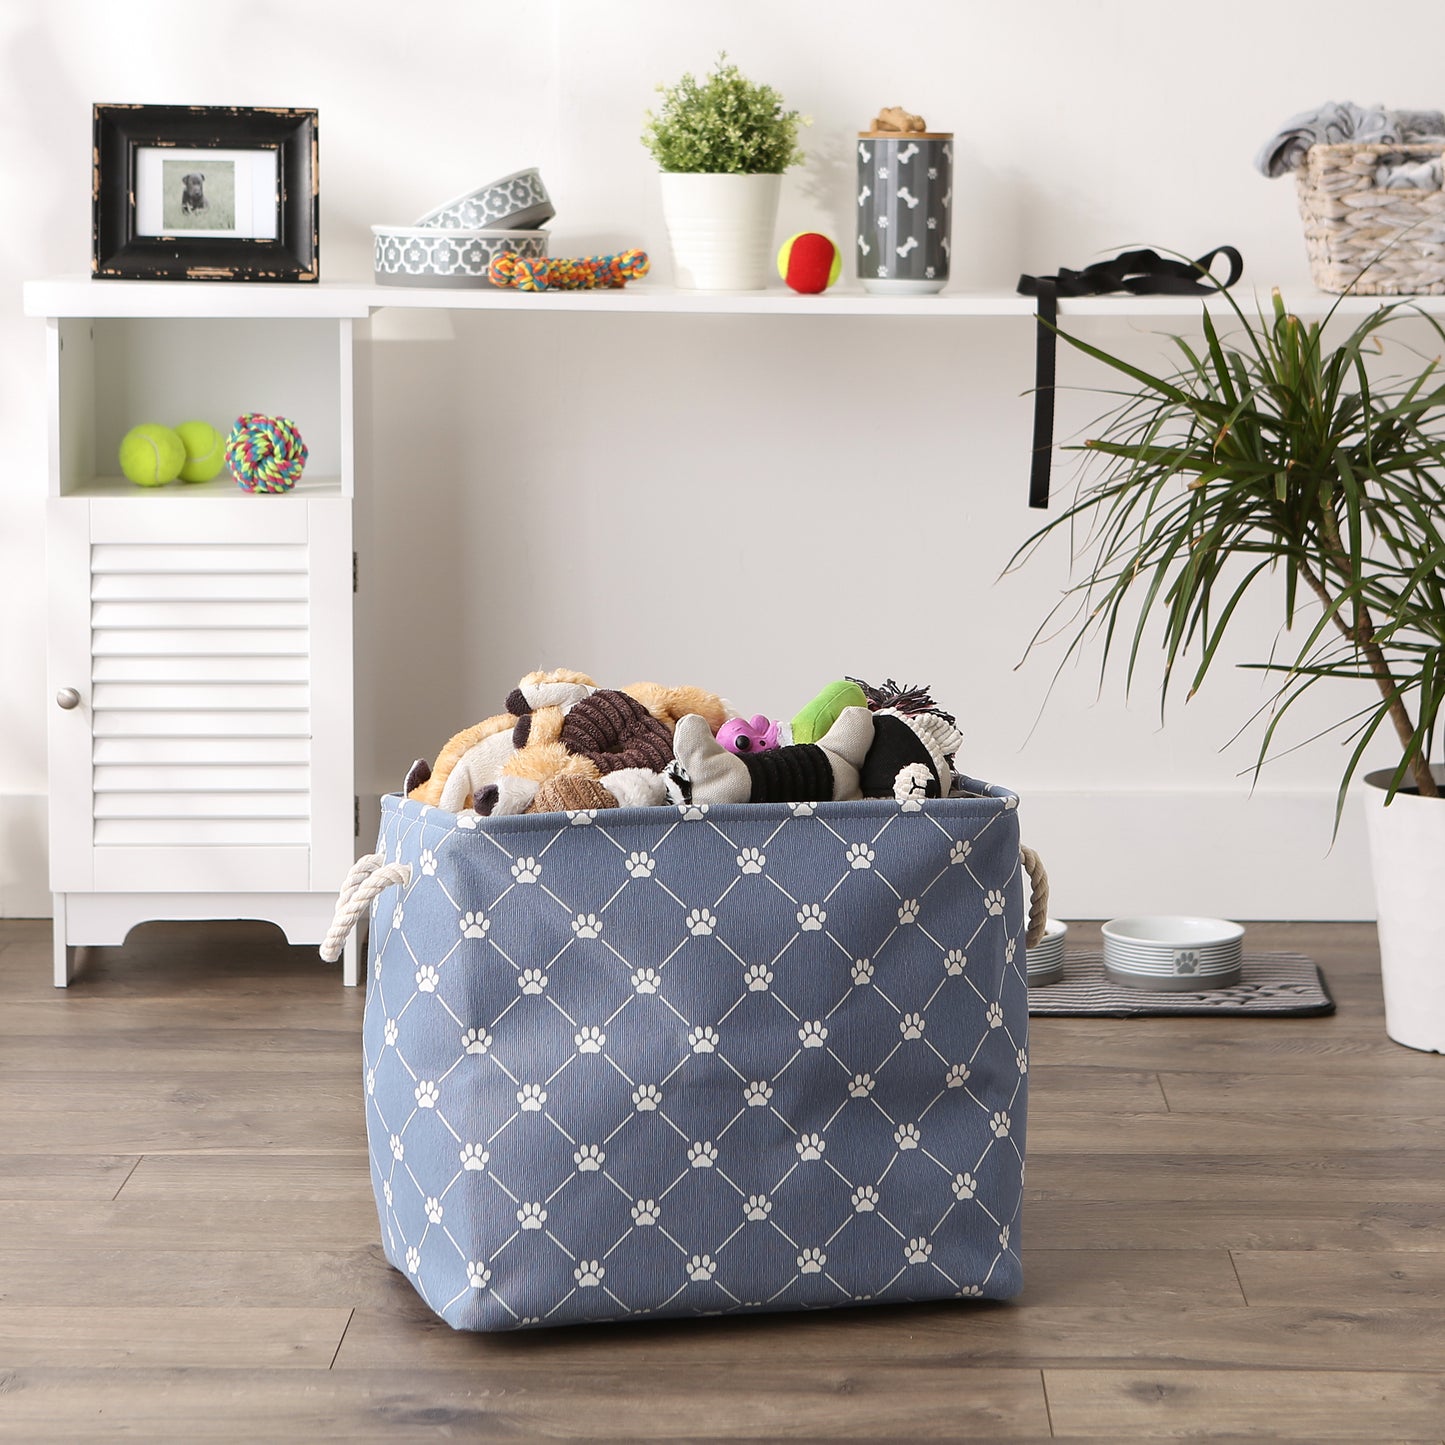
(723, 144)
(1271, 452)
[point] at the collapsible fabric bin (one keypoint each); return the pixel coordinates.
(693, 1061)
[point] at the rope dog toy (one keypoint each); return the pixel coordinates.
(560, 273)
(265, 453)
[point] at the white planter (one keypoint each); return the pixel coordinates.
(1407, 851)
(721, 229)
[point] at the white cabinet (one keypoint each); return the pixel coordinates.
(200, 659)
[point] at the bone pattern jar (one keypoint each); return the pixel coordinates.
(905, 211)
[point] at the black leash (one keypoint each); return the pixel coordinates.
(1145, 273)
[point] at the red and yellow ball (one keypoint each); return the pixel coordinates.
(809, 262)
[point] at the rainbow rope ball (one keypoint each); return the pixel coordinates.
(265, 453)
(559, 273)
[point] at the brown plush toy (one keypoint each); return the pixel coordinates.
(895, 120)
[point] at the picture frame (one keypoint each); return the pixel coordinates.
(205, 193)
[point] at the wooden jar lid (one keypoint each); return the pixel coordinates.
(905, 135)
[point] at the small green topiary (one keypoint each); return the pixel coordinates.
(723, 125)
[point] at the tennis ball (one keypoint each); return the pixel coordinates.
(809, 262)
(152, 455)
(205, 450)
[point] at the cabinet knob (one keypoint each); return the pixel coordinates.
(67, 698)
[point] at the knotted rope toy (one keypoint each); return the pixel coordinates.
(265, 453)
(560, 273)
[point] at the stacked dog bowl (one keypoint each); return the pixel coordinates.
(1173, 954)
(1045, 959)
(454, 244)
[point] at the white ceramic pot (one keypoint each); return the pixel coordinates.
(721, 229)
(1407, 851)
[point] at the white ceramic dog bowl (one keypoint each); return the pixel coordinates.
(1046, 958)
(519, 202)
(427, 256)
(1173, 953)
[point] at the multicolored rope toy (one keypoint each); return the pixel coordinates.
(560, 273)
(265, 453)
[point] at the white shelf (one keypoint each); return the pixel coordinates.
(223, 485)
(79, 296)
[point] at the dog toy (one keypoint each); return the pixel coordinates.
(151, 455)
(571, 795)
(909, 757)
(809, 262)
(265, 453)
(558, 273)
(616, 731)
(205, 451)
(895, 119)
(908, 700)
(819, 715)
(757, 734)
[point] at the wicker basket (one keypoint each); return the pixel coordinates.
(1363, 238)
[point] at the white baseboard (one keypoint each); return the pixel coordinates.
(1108, 854)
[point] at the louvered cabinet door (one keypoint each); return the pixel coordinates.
(209, 641)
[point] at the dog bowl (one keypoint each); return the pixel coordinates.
(1046, 958)
(519, 202)
(1173, 954)
(426, 256)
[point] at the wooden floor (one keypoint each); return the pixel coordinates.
(1235, 1230)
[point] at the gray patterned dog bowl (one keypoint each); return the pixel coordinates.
(428, 256)
(1173, 954)
(519, 202)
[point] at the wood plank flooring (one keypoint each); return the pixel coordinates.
(1235, 1230)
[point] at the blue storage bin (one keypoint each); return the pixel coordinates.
(694, 1061)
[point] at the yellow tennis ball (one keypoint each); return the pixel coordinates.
(205, 450)
(152, 455)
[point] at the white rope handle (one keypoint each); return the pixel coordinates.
(370, 876)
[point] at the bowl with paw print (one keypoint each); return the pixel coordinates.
(1046, 959)
(1173, 953)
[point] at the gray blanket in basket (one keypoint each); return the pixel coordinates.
(1336, 122)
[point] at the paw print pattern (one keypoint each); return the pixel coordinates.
(965, 1186)
(531, 1097)
(758, 977)
(413, 1260)
(960, 851)
(803, 810)
(1000, 1124)
(531, 1216)
(581, 817)
(468, 819)
(644, 1212)
(428, 862)
(692, 812)
(750, 860)
(396, 916)
(994, 1016)
(476, 1041)
(916, 1251)
(811, 918)
(640, 865)
(993, 902)
(589, 1040)
(865, 1199)
(911, 1026)
(911, 804)
(478, 1275)
(957, 1076)
(370, 1083)
(475, 925)
(426, 1094)
(645, 980)
(588, 1273)
(1009, 950)
(427, 979)
(862, 972)
(587, 925)
(813, 1034)
(646, 1098)
(700, 1268)
(703, 1041)
(971, 1291)
(473, 1156)
(757, 1094)
(860, 1086)
(954, 962)
(811, 1261)
(1003, 1237)
(700, 923)
(391, 1032)
(859, 855)
(906, 1136)
(531, 980)
(757, 1208)
(526, 870)
(386, 1192)
(702, 1155)
(1022, 1060)
(589, 1159)
(810, 1147)
(398, 1149)
(908, 911)
(434, 1210)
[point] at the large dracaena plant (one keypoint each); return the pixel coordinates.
(1267, 452)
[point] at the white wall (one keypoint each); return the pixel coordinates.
(725, 500)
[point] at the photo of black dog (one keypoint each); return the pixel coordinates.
(193, 192)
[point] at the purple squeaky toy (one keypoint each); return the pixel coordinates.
(748, 735)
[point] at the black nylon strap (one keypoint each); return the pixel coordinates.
(1143, 273)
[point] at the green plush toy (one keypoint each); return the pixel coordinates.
(152, 455)
(819, 715)
(205, 450)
